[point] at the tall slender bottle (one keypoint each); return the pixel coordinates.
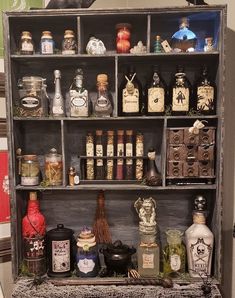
(153, 177)
(205, 91)
(199, 242)
(130, 94)
(155, 94)
(58, 100)
(181, 93)
(34, 231)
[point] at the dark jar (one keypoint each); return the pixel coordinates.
(60, 257)
(87, 261)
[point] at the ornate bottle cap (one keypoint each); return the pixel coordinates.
(199, 203)
(158, 38)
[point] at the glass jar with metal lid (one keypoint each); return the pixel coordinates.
(53, 168)
(30, 170)
(33, 98)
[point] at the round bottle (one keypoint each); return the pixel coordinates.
(53, 168)
(123, 37)
(26, 43)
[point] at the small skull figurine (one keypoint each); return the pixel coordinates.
(200, 203)
(95, 46)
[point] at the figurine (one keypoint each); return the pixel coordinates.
(95, 46)
(146, 211)
(139, 48)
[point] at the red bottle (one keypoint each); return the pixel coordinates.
(34, 231)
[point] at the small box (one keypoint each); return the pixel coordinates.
(191, 153)
(175, 169)
(176, 136)
(207, 136)
(206, 169)
(205, 152)
(176, 153)
(190, 169)
(190, 138)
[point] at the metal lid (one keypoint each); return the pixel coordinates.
(60, 231)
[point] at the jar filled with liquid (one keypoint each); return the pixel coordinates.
(53, 168)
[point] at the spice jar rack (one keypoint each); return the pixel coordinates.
(37, 135)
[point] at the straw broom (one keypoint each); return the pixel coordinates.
(101, 227)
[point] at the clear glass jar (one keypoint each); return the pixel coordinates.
(69, 44)
(26, 46)
(148, 259)
(47, 43)
(30, 170)
(53, 168)
(33, 98)
(174, 254)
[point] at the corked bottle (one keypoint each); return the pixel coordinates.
(139, 151)
(99, 153)
(120, 152)
(110, 152)
(34, 231)
(90, 172)
(129, 153)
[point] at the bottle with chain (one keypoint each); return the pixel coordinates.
(130, 94)
(156, 92)
(58, 100)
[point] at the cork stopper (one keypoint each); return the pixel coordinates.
(184, 22)
(158, 38)
(120, 132)
(99, 132)
(102, 78)
(110, 133)
(26, 35)
(46, 34)
(31, 157)
(68, 33)
(33, 196)
(129, 132)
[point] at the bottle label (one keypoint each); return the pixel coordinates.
(156, 97)
(79, 103)
(180, 100)
(34, 248)
(99, 152)
(57, 110)
(30, 102)
(129, 152)
(175, 262)
(86, 265)
(29, 180)
(110, 152)
(27, 46)
(47, 47)
(201, 253)
(130, 101)
(102, 102)
(120, 152)
(76, 179)
(89, 149)
(148, 261)
(139, 149)
(205, 98)
(61, 256)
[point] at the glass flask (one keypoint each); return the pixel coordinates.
(53, 168)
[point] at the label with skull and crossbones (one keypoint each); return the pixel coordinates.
(201, 253)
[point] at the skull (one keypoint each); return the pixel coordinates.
(95, 46)
(200, 203)
(200, 250)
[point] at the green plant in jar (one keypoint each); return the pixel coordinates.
(174, 254)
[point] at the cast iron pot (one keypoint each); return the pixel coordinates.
(117, 257)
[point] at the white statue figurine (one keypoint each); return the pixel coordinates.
(146, 211)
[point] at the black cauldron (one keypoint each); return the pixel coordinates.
(117, 257)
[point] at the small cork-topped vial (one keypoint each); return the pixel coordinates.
(120, 153)
(110, 152)
(26, 44)
(69, 45)
(99, 152)
(47, 43)
(129, 152)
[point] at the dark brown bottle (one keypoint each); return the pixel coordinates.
(153, 177)
(181, 93)
(130, 94)
(205, 91)
(155, 94)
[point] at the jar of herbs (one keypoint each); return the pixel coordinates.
(47, 43)
(174, 254)
(53, 168)
(69, 44)
(30, 170)
(26, 44)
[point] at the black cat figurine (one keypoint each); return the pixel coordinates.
(60, 4)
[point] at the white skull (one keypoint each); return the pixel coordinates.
(95, 46)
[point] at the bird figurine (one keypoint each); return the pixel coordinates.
(197, 2)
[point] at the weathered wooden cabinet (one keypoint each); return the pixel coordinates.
(75, 206)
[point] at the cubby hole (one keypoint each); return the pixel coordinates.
(75, 140)
(103, 28)
(203, 24)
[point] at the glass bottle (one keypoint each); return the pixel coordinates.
(123, 44)
(148, 259)
(130, 94)
(181, 92)
(47, 43)
(155, 94)
(157, 45)
(110, 152)
(53, 168)
(209, 46)
(120, 153)
(129, 152)
(33, 232)
(90, 151)
(99, 152)
(26, 43)
(199, 242)
(58, 100)
(139, 151)
(153, 177)
(174, 254)
(103, 104)
(79, 101)
(30, 170)
(69, 44)
(184, 40)
(205, 93)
